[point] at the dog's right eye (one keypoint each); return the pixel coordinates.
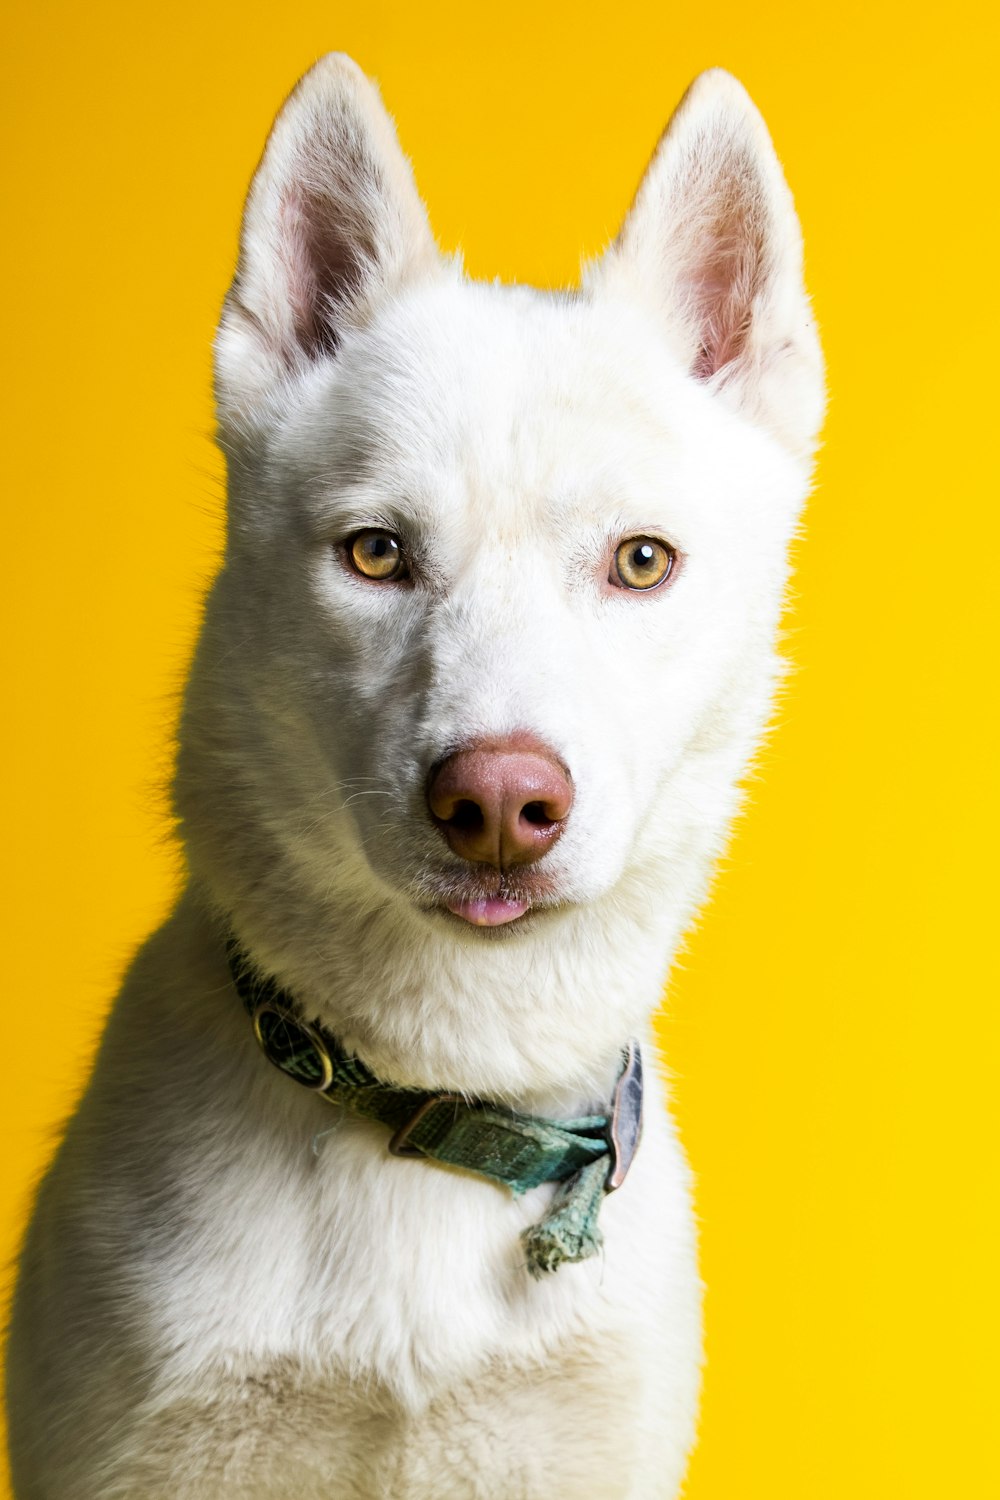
(377, 555)
(642, 562)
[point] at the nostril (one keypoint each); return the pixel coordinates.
(467, 816)
(538, 815)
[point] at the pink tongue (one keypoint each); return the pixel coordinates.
(488, 913)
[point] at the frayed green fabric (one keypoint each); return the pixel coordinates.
(520, 1151)
(569, 1231)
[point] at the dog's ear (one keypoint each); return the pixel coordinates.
(332, 221)
(712, 239)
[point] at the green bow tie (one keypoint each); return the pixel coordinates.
(588, 1157)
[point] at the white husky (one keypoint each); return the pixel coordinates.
(491, 647)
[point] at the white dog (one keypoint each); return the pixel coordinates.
(491, 647)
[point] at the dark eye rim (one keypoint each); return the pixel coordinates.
(401, 575)
(674, 563)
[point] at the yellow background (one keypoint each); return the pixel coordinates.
(833, 1025)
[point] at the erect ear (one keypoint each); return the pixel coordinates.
(332, 221)
(712, 240)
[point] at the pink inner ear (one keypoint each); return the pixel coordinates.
(725, 277)
(324, 255)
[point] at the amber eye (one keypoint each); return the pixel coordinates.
(377, 555)
(641, 562)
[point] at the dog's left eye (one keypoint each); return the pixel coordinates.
(641, 562)
(377, 555)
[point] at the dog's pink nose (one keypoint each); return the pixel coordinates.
(500, 802)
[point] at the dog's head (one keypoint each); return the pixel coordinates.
(493, 635)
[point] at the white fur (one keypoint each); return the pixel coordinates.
(229, 1289)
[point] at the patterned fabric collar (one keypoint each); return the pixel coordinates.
(587, 1157)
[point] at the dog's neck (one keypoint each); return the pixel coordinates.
(535, 1018)
(536, 1021)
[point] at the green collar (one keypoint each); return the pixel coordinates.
(588, 1157)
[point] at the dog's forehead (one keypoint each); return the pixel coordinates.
(521, 403)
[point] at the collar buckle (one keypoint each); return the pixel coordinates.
(400, 1145)
(625, 1119)
(293, 1046)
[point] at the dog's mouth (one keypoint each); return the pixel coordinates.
(489, 899)
(492, 911)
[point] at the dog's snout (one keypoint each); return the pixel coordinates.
(500, 802)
